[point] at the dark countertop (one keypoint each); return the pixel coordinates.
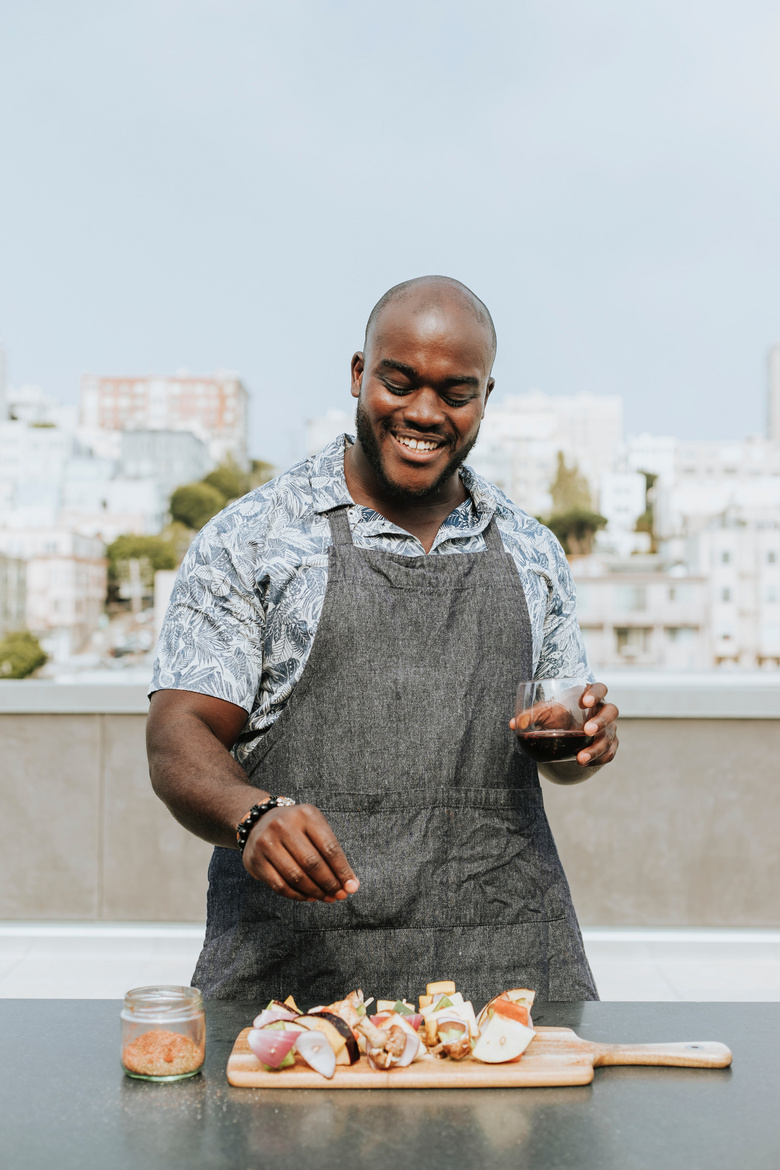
(65, 1103)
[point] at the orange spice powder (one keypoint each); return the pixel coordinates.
(159, 1053)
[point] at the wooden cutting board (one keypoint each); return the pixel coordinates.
(556, 1056)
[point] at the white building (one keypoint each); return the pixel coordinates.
(213, 407)
(622, 500)
(105, 506)
(172, 458)
(66, 585)
(13, 594)
(738, 552)
(520, 439)
(33, 458)
(639, 612)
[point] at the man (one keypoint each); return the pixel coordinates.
(350, 636)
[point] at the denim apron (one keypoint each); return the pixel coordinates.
(398, 731)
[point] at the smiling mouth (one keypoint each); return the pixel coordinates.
(422, 445)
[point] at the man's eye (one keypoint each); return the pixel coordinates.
(391, 386)
(456, 401)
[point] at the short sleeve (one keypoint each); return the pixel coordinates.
(211, 640)
(563, 653)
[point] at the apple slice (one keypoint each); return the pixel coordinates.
(502, 1040)
(512, 1011)
(519, 995)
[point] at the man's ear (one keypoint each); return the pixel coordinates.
(488, 392)
(358, 365)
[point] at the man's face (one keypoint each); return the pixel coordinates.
(422, 386)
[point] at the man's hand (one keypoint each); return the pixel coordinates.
(601, 725)
(293, 850)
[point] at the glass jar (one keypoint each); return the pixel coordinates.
(163, 1033)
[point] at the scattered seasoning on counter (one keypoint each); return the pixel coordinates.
(160, 1053)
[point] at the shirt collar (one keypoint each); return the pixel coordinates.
(329, 486)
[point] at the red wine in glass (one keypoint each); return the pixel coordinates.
(546, 746)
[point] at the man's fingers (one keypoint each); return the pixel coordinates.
(332, 865)
(601, 719)
(274, 880)
(601, 751)
(593, 694)
(296, 853)
(288, 863)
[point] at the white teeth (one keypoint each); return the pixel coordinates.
(417, 444)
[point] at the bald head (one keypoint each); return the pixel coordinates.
(425, 294)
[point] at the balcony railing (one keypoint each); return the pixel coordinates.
(681, 830)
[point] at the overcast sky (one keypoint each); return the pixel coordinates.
(233, 183)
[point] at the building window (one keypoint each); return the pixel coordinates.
(725, 595)
(681, 634)
(771, 595)
(725, 557)
(633, 641)
(771, 557)
(630, 598)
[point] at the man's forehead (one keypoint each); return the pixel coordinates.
(429, 325)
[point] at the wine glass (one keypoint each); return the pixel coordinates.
(550, 716)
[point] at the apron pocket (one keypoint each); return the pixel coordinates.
(447, 859)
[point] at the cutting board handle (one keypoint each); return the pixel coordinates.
(685, 1054)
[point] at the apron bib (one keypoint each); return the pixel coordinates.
(398, 731)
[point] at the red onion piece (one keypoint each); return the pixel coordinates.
(415, 1020)
(411, 1048)
(271, 1015)
(271, 1045)
(316, 1051)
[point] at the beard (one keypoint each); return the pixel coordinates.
(368, 441)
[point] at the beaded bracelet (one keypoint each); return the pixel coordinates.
(247, 823)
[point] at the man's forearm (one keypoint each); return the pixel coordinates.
(192, 772)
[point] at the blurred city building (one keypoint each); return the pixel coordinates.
(214, 408)
(640, 611)
(72, 480)
(170, 457)
(520, 439)
(65, 584)
(13, 594)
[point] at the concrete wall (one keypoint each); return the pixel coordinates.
(681, 830)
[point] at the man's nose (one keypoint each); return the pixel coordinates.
(424, 409)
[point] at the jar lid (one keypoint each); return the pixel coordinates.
(163, 1001)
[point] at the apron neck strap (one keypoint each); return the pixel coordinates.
(492, 537)
(340, 531)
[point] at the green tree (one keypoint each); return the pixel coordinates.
(20, 655)
(576, 529)
(195, 503)
(569, 489)
(646, 522)
(159, 552)
(151, 552)
(229, 480)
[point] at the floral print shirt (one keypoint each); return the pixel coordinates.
(248, 597)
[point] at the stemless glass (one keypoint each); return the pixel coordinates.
(549, 718)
